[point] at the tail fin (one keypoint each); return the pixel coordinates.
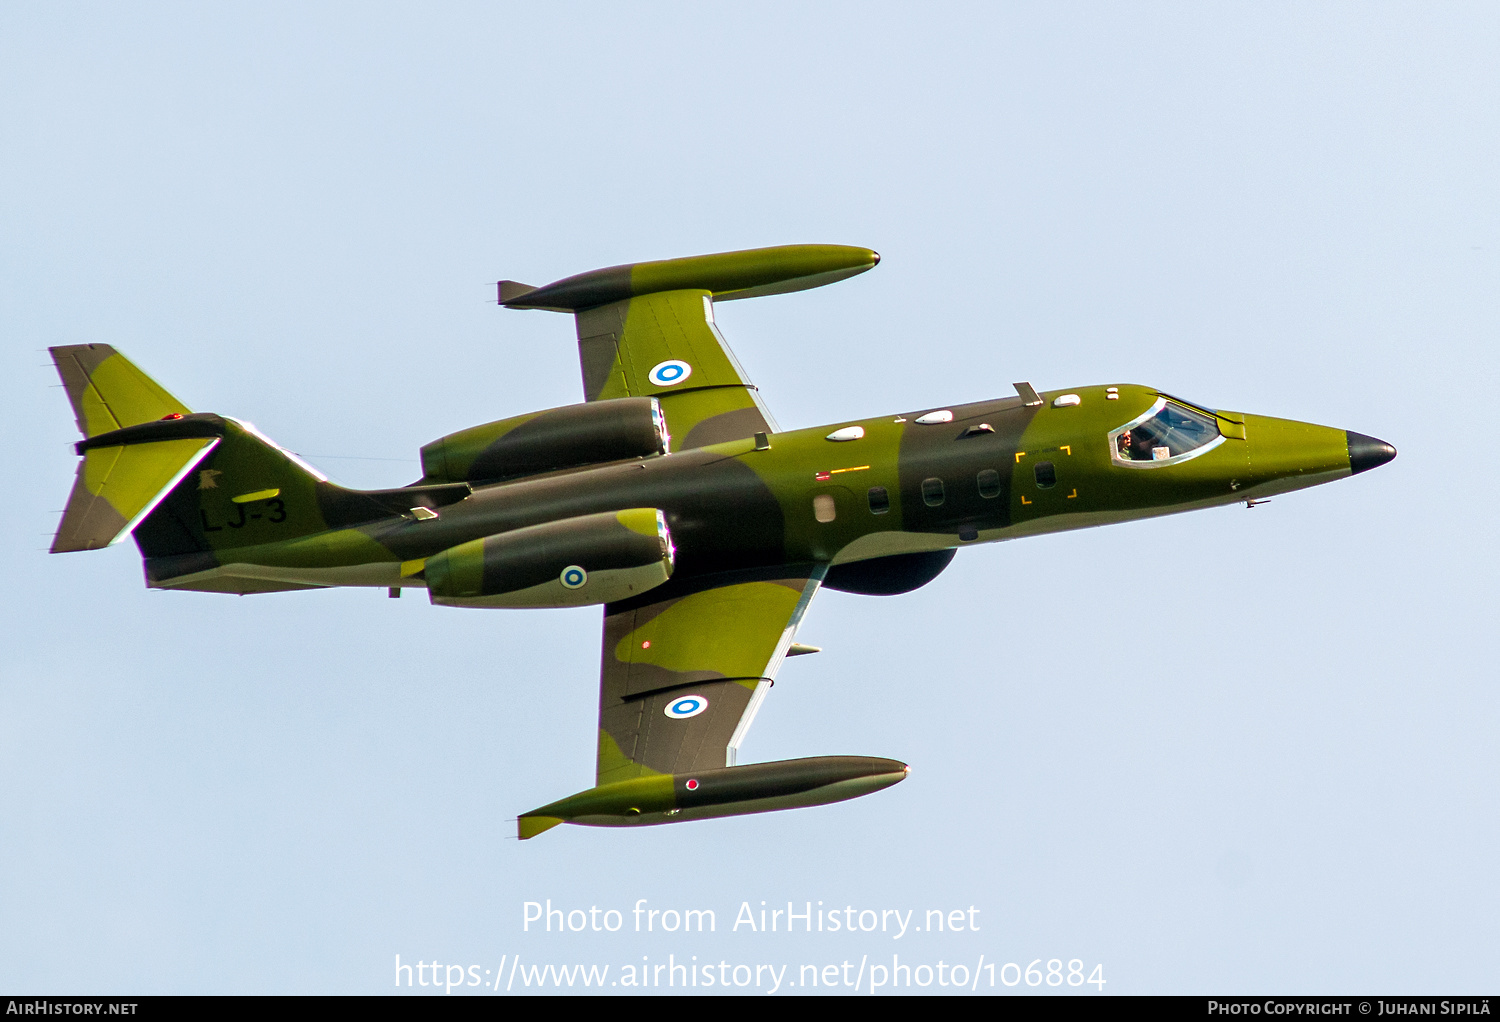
(249, 492)
(180, 480)
(192, 484)
(138, 445)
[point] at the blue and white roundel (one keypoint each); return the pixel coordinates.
(573, 577)
(670, 373)
(684, 707)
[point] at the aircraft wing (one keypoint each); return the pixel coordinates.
(682, 677)
(647, 330)
(665, 345)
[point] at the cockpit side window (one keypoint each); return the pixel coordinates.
(1167, 432)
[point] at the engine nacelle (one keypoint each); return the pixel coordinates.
(574, 562)
(568, 437)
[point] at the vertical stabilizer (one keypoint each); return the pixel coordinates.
(197, 489)
(123, 478)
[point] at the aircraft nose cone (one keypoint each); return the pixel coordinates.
(1365, 452)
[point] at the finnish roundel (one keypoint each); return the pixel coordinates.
(573, 577)
(670, 373)
(684, 707)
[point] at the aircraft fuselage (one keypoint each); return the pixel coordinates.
(921, 480)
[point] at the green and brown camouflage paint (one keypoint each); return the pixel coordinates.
(756, 518)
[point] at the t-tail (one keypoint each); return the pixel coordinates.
(190, 484)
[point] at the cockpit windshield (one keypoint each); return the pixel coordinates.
(1167, 432)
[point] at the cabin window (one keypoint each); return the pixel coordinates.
(989, 483)
(1167, 432)
(880, 500)
(932, 492)
(823, 507)
(1046, 474)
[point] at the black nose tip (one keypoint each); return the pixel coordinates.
(1365, 452)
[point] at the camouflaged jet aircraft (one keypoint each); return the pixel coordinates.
(670, 498)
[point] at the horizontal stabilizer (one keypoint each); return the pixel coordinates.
(107, 391)
(118, 486)
(725, 275)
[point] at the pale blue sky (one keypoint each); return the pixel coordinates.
(293, 214)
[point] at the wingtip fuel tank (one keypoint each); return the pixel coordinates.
(751, 273)
(726, 791)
